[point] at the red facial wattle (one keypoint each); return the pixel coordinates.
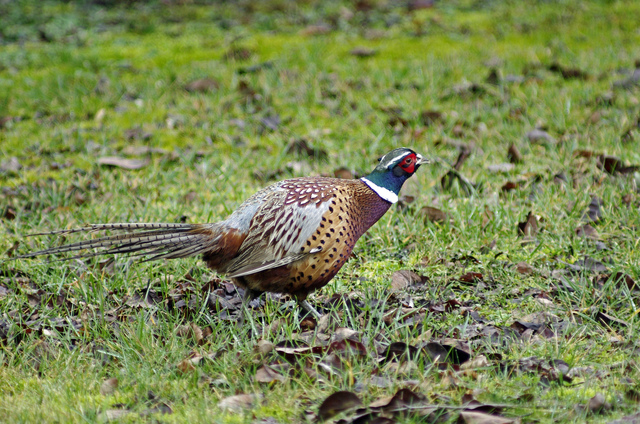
(409, 163)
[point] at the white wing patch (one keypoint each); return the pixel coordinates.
(303, 221)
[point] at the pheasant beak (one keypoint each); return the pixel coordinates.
(421, 160)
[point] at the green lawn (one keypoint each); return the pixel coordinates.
(215, 101)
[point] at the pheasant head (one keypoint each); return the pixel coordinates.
(392, 171)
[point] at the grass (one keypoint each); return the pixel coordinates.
(80, 81)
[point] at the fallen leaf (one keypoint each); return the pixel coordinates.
(162, 408)
(403, 279)
(363, 52)
(613, 165)
(598, 404)
(400, 351)
(338, 402)
(619, 278)
(540, 136)
(529, 227)
(255, 68)
(471, 277)
(302, 146)
(9, 213)
(237, 403)
(122, 162)
(514, 155)
(116, 414)
(430, 117)
(265, 347)
(509, 185)
(473, 417)
(347, 347)
(266, 374)
(587, 231)
(137, 133)
(568, 73)
(312, 30)
(193, 331)
(610, 321)
(402, 399)
(524, 268)
(109, 386)
(433, 214)
(202, 85)
(445, 353)
(594, 210)
(494, 77)
(586, 264)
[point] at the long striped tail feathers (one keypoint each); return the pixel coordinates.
(160, 241)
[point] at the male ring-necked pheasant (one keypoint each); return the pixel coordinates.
(291, 237)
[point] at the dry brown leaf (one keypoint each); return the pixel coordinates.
(189, 364)
(116, 414)
(238, 403)
(342, 333)
(312, 30)
(524, 268)
(265, 347)
(430, 117)
(568, 73)
(202, 85)
(446, 352)
(509, 185)
(109, 386)
(191, 330)
(613, 165)
(514, 155)
(587, 231)
(473, 417)
(540, 136)
(403, 279)
(529, 227)
(433, 214)
(363, 52)
(338, 402)
(123, 163)
(266, 374)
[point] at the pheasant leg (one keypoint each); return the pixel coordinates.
(307, 306)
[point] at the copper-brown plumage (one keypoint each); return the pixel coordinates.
(291, 237)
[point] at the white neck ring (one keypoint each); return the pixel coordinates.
(384, 193)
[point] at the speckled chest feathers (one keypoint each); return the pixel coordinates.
(312, 222)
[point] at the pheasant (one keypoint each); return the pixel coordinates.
(290, 237)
